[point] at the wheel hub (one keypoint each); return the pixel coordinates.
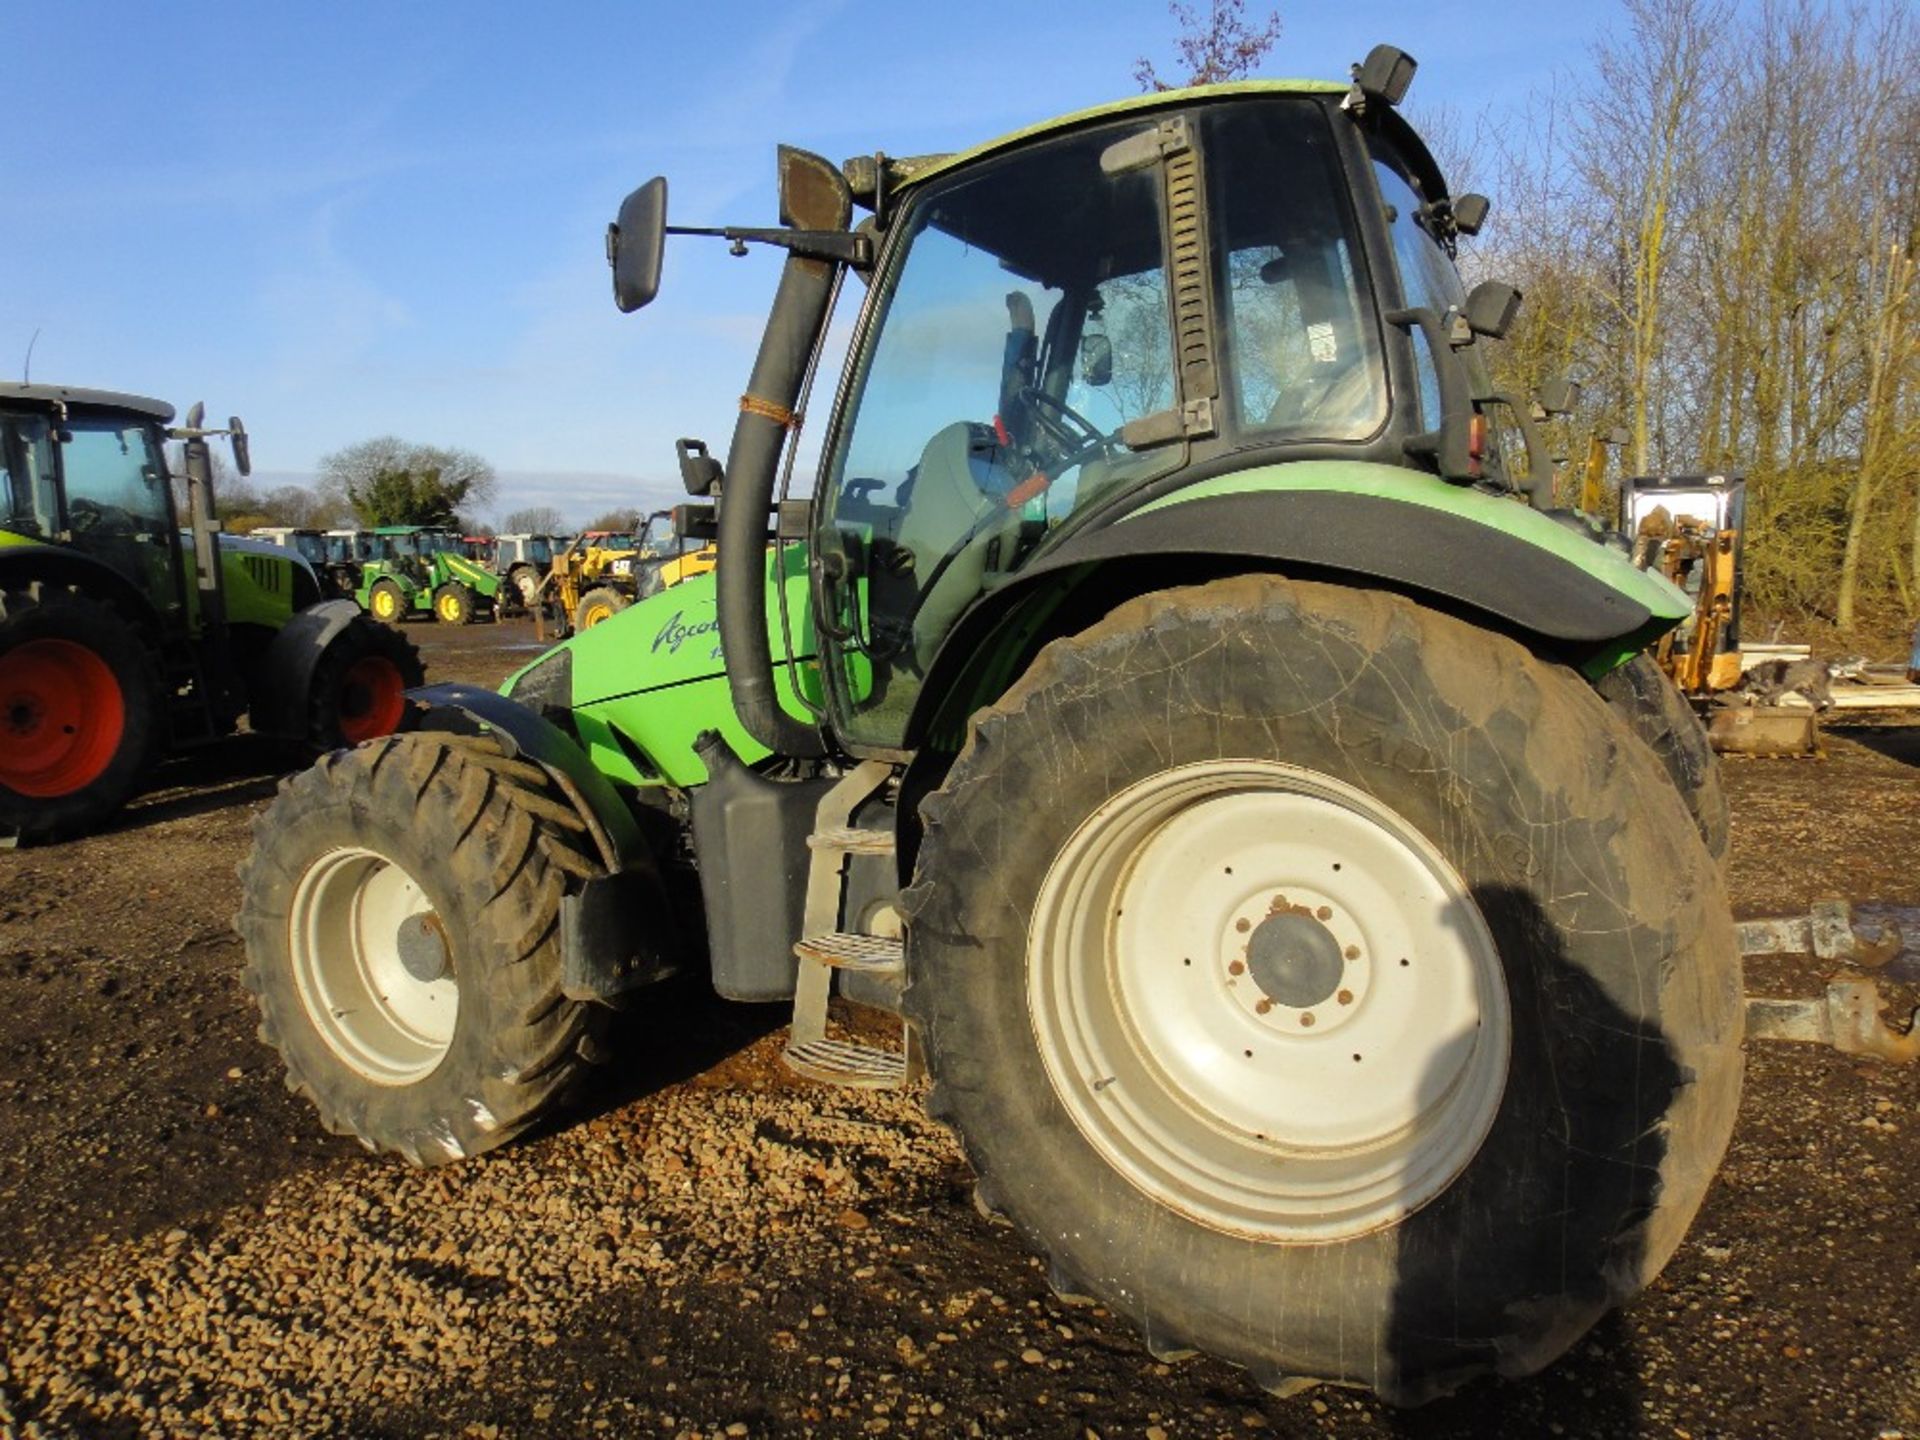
(1295, 960)
(422, 944)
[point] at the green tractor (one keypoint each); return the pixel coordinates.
(123, 639)
(418, 569)
(1299, 889)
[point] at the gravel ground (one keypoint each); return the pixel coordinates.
(708, 1247)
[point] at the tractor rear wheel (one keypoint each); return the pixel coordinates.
(400, 910)
(598, 606)
(526, 584)
(80, 712)
(387, 602)
(1362, 1004)
(359, 686)
(453, 604)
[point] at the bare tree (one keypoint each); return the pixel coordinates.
(1213, 46)
(534, 520)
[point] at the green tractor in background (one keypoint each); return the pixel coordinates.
(123, 639)
(1300, 888)
(418, 569)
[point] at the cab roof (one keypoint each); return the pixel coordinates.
(1133, 104)
(50, 395)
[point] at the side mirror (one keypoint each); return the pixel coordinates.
(237, 438)
(1096, 359)
(1491, 308)
(634, 245)
(699, 471)
(1559, 397)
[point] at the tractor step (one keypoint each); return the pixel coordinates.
(834, 842)
(839, 1062)
(841, 951)
(851, 840)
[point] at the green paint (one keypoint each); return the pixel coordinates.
(1665, 601)
(1133, 104)
(653, 676)
(8, 537)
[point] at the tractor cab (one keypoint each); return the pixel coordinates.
(310, 545)
(87, 470)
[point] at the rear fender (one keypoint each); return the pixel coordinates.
(23, 563)
(1526, 571)
(279, 685)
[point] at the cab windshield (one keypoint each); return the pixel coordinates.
(311, 547)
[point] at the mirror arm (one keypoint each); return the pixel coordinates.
(846, 247)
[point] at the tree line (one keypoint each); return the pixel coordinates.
(1715, 226)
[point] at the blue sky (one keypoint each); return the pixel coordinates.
(347, 220)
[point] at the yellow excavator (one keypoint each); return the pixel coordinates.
(602, 571)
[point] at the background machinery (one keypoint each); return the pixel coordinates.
(523, 562)
(123, 641)
(1298, 883)
(419, 568)
(333, 560)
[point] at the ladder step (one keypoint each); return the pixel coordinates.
(853, 952)
(852, 840)
(839, 1063)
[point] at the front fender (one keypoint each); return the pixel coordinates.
(277, 690)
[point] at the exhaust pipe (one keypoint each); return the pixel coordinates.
(813, 196)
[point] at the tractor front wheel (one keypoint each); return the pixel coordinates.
(597, 607)
(400, 910)
(80, 712)
(387, 602)
(1362, 1005)
(453, 604)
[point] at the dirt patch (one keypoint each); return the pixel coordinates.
(708, 1244)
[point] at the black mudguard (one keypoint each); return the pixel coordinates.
(277, 691)
(617, 930)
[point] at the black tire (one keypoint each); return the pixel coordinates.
(388, 602)
(492, 849)
(1611, 928)
(356, 691)
(523, 587)
(453, 604)
(68, 795)
(597, 606)
(1661, 716)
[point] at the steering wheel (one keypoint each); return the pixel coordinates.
(1075, 438)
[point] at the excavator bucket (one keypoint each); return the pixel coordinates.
(1770, 731)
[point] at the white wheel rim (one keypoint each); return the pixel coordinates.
(358, 922)
(1223, 1082)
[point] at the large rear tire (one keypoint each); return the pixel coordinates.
(400, 910)
(359, 686)
(1361, 1005)
(80, 712)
